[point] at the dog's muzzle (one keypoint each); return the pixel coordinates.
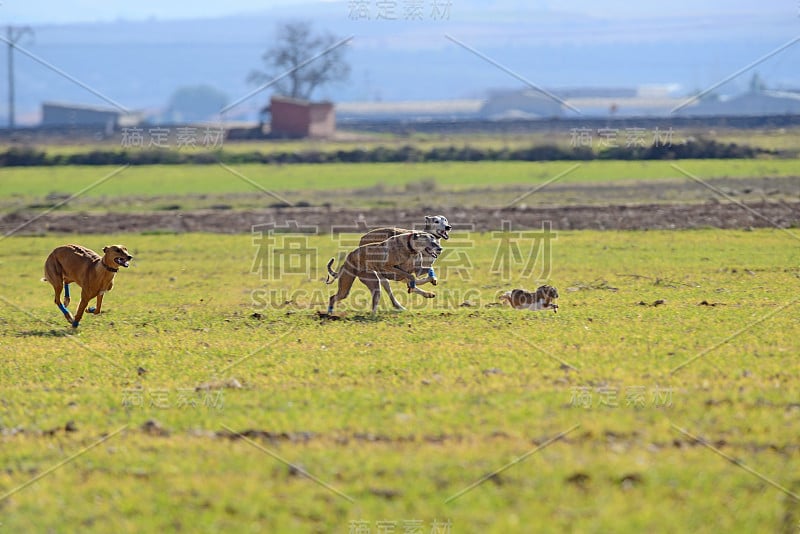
(119, 260)
(433, 252)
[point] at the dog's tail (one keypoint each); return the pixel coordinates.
(332, 275)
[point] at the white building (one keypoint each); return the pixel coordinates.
(754, 103)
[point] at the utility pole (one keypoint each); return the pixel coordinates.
(13, 34)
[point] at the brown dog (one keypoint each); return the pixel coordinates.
(421, 265)
(543, 299)
(389, 256)
(92, 272)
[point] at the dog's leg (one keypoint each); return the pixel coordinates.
(388, 288)
(346, 279)
(81, 308)
(96, 309)
(424, 267)
(66, 294)
(412, 287)
(62, 307)
(418, 291)
(412, 283)
(402, 273)
(431, 277)
(373, 283)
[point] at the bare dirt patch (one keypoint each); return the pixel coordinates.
(780, 214)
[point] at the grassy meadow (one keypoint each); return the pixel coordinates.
(210, 397)
(136, 188)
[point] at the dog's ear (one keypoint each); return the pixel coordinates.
(105, 249)
(428, 218)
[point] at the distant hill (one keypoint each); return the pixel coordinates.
(141, 63)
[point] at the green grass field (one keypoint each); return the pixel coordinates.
(478, 416)
(243, 186)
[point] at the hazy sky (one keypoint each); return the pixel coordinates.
(685, 45)
(61, 11)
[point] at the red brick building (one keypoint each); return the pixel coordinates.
(293, 117)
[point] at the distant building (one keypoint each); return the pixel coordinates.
(58, 114)
(601, 92)
(652, 100)
(293, 117)
(524, 104)
(409, 110)
(749, 104)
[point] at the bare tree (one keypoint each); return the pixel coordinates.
(296, 45)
